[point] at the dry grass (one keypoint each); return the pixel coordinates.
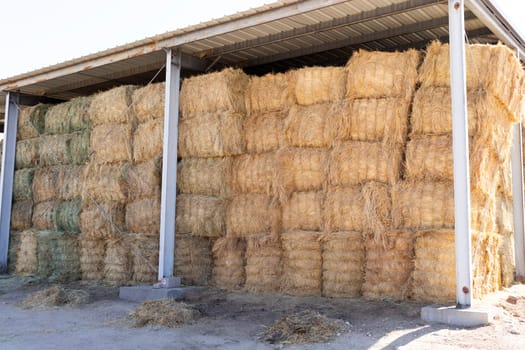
(47, 183)
(148, 102)
(251, 214)
(31, 121)
(55, 296)
(21, 215)
(311, 126)
(344, 209)
(106, 182)
(304, 211)
(315, 85)
(201, 215)
(117, 262)
(144, 179)
(112, 106)
(166, 312)
(193, 259)
(100, 221)
(23, 184)
(272, 92)
(264, 132)
(304, 327)
(27, 153)
(143, 215)
(147, 140)
(228, 263)
(111, 143)
(205, 176)
(91, 254)
(255, 173)
(263, 264)
(44, 214)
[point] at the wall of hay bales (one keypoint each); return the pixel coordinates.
(333, 181)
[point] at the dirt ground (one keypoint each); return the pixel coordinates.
(235, 321)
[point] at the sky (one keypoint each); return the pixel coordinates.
(39, 33)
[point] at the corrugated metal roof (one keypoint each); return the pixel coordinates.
(274, 37)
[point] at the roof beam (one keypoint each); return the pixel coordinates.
(360, 17)
(356, 40)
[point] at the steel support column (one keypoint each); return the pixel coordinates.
(169, 165)
(7, 174)
(517, 194)
(458, 92)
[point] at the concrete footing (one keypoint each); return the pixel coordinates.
(143, 293)
(471, 317)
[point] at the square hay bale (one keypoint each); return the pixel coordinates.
(264, 132)
(254, 173)
(27, 153)
(102, 220)
(377, 211)
(47, 183)
(271, 92)
(301, 169)
(23, 184)
(344, 209)
(193, 259)
(213, 92)
(343, 260)
(355, 162)
(205, 176)
(430, 205)
(92, 252)
(313, 85)
(112, 106)
(504, 214)
(64, 149)
(302, 263)
(263, 264)
(71, 178)
(44, 215)
(304, 211)
(434, 277)
(22, 215)
(26, 261)
(382, 74)
(374, 119)
(494, 68)
(148, 102)
(56, 119)
(201, 215)
(12, 257)
(211, 135)
(111, 143)
(389, 266)
(252, 214)
(117, 262)
(67, 216)
(106, 182)
(145, 255)
(147, 140)
(31, 121)
(68, 117)
(311, 126)
(228, 263)
(507, 263)
(143, 215)
(144, 179)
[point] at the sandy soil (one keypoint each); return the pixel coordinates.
(235, 320)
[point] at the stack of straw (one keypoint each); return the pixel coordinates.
(367, 161)
(210, 134)
(425, 200)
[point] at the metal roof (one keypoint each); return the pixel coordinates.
(275, 37)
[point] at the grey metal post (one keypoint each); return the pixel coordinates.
(7, 174)
(458, 92)
(517, 194)
(169, 166)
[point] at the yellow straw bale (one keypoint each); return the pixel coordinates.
(301, 169)
(504, 214)
(27, 153)
(251, 214)
(47, 183)
(144, 179)
(31, 121)
(117, 263)
(148, 102)
(193, 259)
(218, 91)
(21, 215)
(111, 143)
(506, 252)
(315, 85)
(211, 135)
(106, 182)
(343, 258)
(263, 264)
(44, 215)
(382, 74)
(147, 140)
(143, 216)
(70, 178)
(102, 220)
(304, 211)
(145, 255)
(344, 209)
(311, 126)
(254, 173)
(264, 132)
(272, 92)
(26, 261)
(201, 215)
(377, 211)
(92, 252)
(357, 162)
(229, 261)
(112, 106)
(374, 119)
(302, 263)
(205, 176)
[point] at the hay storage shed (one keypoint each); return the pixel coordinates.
(285, 172)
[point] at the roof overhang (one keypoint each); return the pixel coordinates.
(275, 37)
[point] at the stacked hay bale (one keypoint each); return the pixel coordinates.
(144, 182)
(424, 202)
(104, 252)
(367, 162)
(210, 133)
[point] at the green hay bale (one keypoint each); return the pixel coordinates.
(23, 184)
(67, 216)
(79, 148)
(64, 149)
(57, 255)
(27, 153)
(56, 121)
(31, 122)
(68, 117)
(79, 114)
